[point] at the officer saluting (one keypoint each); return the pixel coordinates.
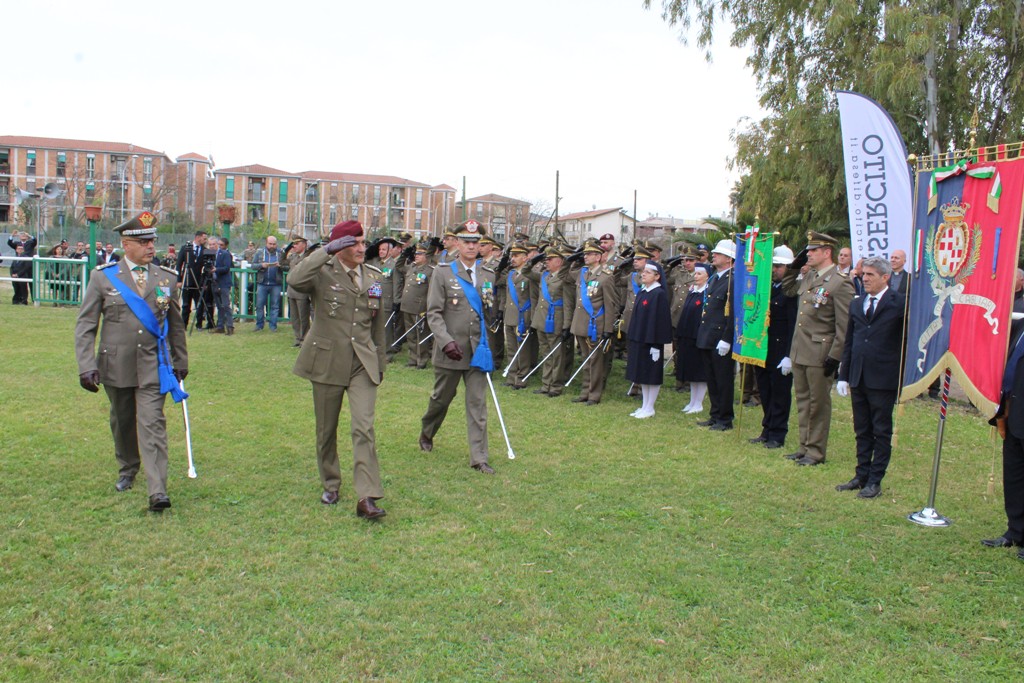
(141, 355)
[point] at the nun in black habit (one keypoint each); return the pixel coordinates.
(650, 329)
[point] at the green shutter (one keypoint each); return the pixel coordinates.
(32, 154)
(147, 188)
(282, 193)
(62, 157)
(229, 188)
(90, 185)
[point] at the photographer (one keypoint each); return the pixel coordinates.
(267, 263)
(189, 267)
(222, 282)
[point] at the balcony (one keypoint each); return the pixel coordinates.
(256, 196)
(5, 168)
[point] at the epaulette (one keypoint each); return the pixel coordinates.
(371, 267)
(107, 265)
(172, 271)
(488, 268)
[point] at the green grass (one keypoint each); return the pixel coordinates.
(611, 549)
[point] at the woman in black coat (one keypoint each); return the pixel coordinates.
(650, 328)
(688, 364)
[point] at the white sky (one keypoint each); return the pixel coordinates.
(503, 93)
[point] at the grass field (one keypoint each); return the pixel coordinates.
(611, 549)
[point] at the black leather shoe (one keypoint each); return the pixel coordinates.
(592, 403)
(579, 399)
(124, 483)
(426, 443)
(794, 456)
(159, 502)
(757, 439)
(807, 462)
(706, 423)
(721, 427)
(851, 485)
(870, 491)
(367, 509)
(772, 444)
(540, 391)
(483, 468)
(1001, 542)
(329, 498)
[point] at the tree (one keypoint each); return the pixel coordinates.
(930, 63)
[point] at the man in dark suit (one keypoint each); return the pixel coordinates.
(870, 373)
(190, 272)
(775, 386)
(715, 337)
(1009, 420)
(898, 280)
(222, 263)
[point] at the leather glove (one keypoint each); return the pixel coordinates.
(334, 246)
(785, 366)
(180, 375)
(566, 335)
(90, 381)
(830, 366)
(655, 353)
(843, 388)
(800, 261)
(500, 319)
(452, 350)
(606, 336)
(723, 348)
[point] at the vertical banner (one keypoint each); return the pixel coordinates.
(752, 291)
(878, 190)
(962, 295)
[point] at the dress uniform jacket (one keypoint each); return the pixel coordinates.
(556, 290)
(450, 316)
(126, 356)
(601, 286)
(718, 324)
(822, 317)
(416, 280)
(349, 322)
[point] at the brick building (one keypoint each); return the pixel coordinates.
(503, 216)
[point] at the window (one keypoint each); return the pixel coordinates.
(229, 188)
(282, 191)
(355, 213)
(334, 215)
(376, 196)
(147, 170)
(282, 215)
(479, 210)
(355, 193)
(90, 166)
(62, 161)
(419, 198)
(30, 168)
(419, 220)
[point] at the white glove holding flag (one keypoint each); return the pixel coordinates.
(723, 348)
(655, 354)
(785, 366)
(843, 388)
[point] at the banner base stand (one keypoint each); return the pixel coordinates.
(929, 517)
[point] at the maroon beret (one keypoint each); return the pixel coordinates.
(607, 236)
(353, 228)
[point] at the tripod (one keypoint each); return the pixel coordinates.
(190, 288)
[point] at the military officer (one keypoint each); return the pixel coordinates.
(298, 302)
(818, 339)
(459, 296)
(135, 298)
(404, 241)
(517, 315)
(414, 307)
(491, 252)
(549, 320)
(593, 321)
(384, 257)
(715, 337)
(344, 352)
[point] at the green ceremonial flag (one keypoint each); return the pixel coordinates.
(752, 291)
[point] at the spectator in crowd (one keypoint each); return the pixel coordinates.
(715, 337)
(845, 261)
(222, 263)
(824, 295)
(27, 242)
(650, 329)
(250, 251)
(689, 363)
(897, 261)
(20, 269)
(870, 374)
(267, 262)
(80, 251)
(170, 260)
(776, 386)
(112, 256)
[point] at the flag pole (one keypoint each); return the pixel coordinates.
(929, 516)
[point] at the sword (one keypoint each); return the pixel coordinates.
(420, 320)
(542, 361)
(188, 435)
(516, 355)
(426, 339)
(583, 364)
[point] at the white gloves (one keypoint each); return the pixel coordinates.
(785, 366)
(655, 354)
(723, 348)
(843, 388)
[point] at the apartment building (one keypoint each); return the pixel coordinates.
(196, 188)
(262, 193)
(503, 216)
(585, 224)
(123, 177)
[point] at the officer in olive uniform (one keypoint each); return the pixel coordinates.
(818, 339)
(298, 302)
(458, 332)
(127, 362)
(549, 319)
(414, 307)
(517, 315)
(404, 241)
(593, 321)
(384, 259)
(491, 252)
(344, 352)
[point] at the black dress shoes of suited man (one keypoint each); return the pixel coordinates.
(852, 485)
(870, 491)
(1001, 542)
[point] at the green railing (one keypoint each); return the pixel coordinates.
(243, 295)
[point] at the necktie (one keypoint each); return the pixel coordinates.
(140, 276)
(871, 309)
(355, 278)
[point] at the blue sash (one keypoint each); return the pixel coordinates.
(521, 325)
(145, 314)
(588, 306)
(636, 285)
(482, 358)
(549, 322)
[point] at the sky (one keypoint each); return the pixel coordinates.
(505, 94)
